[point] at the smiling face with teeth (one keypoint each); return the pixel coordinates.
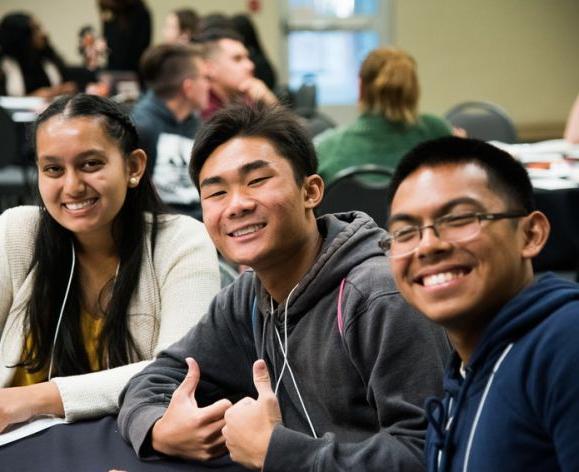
(254, 210)
(82, 174)
(460, 285)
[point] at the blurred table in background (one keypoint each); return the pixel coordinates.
(554, 170)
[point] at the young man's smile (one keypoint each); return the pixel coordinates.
(252, 210)
(455, 281)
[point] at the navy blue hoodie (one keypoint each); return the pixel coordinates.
(517, 408)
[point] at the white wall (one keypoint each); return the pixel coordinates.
(521, 54)
(63, 18)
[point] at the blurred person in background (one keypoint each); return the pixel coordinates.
(167, 118)
(181, 26)
(29, 63)
(389, 124)
(215, 21)
(263, 69)
(127, 31)
(92, 48)
(231, 72)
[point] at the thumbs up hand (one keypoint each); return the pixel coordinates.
(249, 423)
(187, 431)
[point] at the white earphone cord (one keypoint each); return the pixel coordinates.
(284, 349)
(61, 312)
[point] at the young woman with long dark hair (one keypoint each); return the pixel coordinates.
(99, 278)
(30, 64)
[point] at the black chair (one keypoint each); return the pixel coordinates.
(483, 120)
(317, 123)
(304, 103)
(305, 99)
(15, 176)
(360, 188)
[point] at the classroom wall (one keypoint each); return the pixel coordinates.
(63, 18)
(520, 54)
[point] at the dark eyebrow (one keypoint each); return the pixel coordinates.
(251, 166)
(210, 181)
(50, 159)
(443, 210)
(243, 171)
(82, 155)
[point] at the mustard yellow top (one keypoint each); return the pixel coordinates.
(91, 330)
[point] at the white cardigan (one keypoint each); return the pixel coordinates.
(174, 291)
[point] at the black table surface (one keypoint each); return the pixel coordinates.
(561, 253)
(92, 446)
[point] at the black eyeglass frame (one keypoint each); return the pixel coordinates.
(386, 243)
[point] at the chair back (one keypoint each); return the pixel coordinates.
(317, 123)
(361, 188)
(483, 120)
(16, 179)
(306, 97)
(9, 138)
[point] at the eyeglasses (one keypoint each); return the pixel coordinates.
(449, 228)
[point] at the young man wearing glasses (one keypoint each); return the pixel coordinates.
(462, 233)
(350, 362)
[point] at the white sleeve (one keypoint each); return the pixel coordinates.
(188, 282)
(6, 294)
(187, 273)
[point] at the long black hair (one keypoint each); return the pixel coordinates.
(52, 260)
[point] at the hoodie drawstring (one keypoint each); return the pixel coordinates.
(481, 405)
(283, 345)
(443, 420)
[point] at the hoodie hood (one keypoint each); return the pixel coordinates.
(457, 415)
(349, 239)
(530, 307)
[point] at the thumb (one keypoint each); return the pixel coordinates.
(261, 378)
(191, 380)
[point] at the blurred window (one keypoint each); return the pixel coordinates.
(327, 40)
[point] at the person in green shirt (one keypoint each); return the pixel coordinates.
(389, 124)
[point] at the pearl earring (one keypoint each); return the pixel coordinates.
(133, 181)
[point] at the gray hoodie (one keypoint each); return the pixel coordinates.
(363, 377)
